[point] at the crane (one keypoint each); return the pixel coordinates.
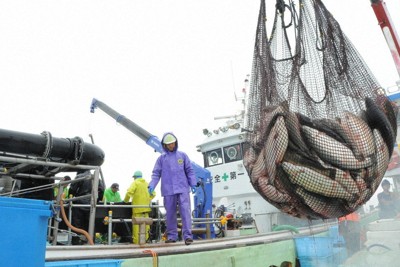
(203, 197)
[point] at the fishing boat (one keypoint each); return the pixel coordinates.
(230, 243)
(234, 225)
(258, 235)
(237, 240)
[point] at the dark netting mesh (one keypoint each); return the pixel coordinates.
(320, 129)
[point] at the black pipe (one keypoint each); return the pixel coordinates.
(72, 150)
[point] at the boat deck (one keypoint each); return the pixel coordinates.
(121, 251)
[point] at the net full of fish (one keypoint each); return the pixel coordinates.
(318, 172)
(320, 130)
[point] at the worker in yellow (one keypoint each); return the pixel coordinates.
(139, 194)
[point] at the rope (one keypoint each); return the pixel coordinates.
(78, 148)
(49, 144)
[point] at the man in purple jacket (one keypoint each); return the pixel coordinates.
(178, 179)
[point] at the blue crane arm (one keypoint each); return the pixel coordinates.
(150, 139)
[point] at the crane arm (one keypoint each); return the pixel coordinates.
(150, 139)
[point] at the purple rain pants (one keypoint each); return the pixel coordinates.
(170, 204)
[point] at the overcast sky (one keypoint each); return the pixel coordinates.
(166, 65)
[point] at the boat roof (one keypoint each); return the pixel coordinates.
(223, 136)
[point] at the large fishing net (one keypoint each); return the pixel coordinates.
(320, 128)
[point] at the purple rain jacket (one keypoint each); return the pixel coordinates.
(175, 170)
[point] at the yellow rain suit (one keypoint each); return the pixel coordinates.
(139, 194)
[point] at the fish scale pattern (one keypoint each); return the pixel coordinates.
(320, 130)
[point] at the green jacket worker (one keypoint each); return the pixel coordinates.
(111, 194)
(139, 194)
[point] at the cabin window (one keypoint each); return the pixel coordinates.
(214, 157)
(232, 153)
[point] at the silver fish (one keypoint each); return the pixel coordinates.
(300, 211)
(370, 178)
(390, 109)
(357, 135)
(327, 209)
(364, 197)
(370, 172)
(259, 167)
(359, 180)
(275, 147)
(249, 159)
(293, 127)
(266, 118)
(333, 151)
(382, 159)
(316, 182)
(329, 127)
(345, 179)
(365, 192)
(271, 192)
(377, 119)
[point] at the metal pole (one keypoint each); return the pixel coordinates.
(93, 202)
(70, 219)
(47, 163)
(110, 219)
(163, 220)
(56, 219)
(208, 230)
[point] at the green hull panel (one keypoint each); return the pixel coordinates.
(256, 255)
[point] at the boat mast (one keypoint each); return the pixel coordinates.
(238, 117)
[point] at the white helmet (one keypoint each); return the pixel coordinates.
(169, 139)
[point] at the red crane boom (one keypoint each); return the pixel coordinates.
(387, 26)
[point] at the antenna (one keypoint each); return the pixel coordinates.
(240, 116)
(233, 80)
